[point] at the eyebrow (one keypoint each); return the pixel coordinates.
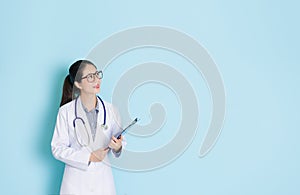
(92, 72)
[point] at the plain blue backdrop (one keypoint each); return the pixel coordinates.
(255, 44)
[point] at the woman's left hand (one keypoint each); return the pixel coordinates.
(116, 144)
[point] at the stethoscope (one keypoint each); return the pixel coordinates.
(103, 125)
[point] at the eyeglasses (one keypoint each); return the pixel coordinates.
(91, 77)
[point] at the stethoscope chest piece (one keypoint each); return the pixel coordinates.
(104, 126)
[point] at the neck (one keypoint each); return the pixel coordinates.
(88, 100)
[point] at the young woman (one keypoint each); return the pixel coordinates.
(84, 132)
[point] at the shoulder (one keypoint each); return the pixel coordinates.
(66, 107)
(108, 104)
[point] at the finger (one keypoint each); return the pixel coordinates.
(114, 138)
(120, 137)
(119, 142)
(106, 149)
(112, 144)
(117, 139)
(116, 146)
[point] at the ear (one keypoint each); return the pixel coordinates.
(77, 85)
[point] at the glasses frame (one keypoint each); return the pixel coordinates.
(92, 76)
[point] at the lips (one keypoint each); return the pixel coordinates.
(97, 86)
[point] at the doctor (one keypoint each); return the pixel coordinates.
(83, 134)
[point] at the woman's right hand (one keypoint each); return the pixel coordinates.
(98, 155)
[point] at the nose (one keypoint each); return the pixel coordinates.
(97, 80)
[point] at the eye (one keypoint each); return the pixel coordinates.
(89, 76)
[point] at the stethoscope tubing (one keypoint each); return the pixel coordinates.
(79, 118)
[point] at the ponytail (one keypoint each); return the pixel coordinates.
(67, 94)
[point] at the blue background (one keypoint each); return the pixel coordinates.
(255, 43)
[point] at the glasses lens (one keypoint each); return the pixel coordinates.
(99, 74)
(90, 78)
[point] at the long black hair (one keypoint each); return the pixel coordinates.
(70, 91)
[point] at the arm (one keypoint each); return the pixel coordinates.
(60, 145)
(116, 146)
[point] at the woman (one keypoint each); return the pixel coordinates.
(84, 132)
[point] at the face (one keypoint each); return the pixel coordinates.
(87, 87)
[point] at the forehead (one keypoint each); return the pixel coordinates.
(89, 69)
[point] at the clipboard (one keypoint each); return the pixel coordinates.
(118, 135)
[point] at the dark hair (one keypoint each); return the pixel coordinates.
(70, 91)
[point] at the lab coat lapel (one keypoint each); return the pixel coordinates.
(101, 137)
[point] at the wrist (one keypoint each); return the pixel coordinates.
(118, 150)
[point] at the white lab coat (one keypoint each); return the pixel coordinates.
(81, 177)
